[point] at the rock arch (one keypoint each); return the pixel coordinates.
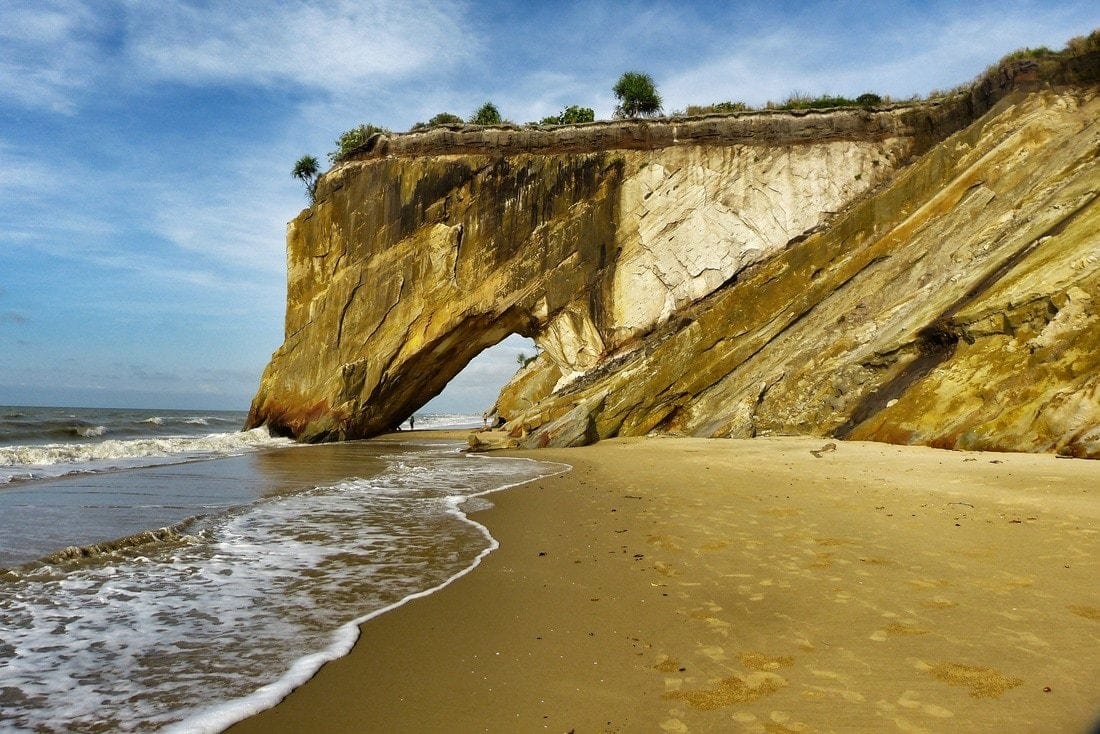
(405, 270)
(413, 259)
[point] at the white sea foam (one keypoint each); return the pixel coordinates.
(57, 459)
(279, 585)
(344, 638)
(156, 420)
(205, 616)
(447, 420)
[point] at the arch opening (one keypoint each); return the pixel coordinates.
(474, 390)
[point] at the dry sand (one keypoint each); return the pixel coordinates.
(690, 585)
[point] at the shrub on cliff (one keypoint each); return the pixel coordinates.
(571, 115)
(1081, 45)
(717, 108)
(349, 140)
(803, 101)
(487, 114)
(307, 169)
(443, 118)
(637, 96)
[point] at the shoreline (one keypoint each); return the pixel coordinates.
(763, 585)
(347, 635)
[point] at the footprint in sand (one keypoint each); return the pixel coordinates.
(1008, 582)
(879, 562)
(1080, 610)
(911, 700)
(981, 682)
(907, 704)
(729, 691)
(834, 541)
(667, 665)
(663, 541)
(897, 629)
(764, 663)
(825, 693)
(782, 723)
(715, 653)
(663, 568)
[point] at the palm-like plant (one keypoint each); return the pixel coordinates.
(307, 169)
(637, 95)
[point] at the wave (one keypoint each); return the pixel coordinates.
(222, 716)
(447, 420)
(156, 420)
(60, 560)
(58, 459)
(55, 429)
(226, 597)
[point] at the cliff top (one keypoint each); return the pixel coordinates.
(928, 121)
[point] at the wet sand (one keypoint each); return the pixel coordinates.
(771, 585)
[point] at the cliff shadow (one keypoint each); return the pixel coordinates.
(436, 364)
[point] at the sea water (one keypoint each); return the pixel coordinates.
(186, 587)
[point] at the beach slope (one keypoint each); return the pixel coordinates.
(765, 585)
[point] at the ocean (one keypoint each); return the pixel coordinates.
(164, 570)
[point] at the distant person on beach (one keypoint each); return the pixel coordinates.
(412, 423)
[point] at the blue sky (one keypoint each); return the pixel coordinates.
(146, 148)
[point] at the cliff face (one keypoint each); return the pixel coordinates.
(842, 274)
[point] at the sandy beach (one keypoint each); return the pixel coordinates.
(769, 585)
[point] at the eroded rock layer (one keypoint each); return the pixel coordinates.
(956, 308)
(855, 274)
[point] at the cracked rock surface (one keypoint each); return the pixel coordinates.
(955, 308)
(916, 275)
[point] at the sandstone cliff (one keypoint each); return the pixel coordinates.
(916, 274)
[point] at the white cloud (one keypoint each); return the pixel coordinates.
(225, 230)
(54, 53)
(914, 57)
(44, 201)
(334, 45)
(47, 53)
(239, 227)
(21, 175)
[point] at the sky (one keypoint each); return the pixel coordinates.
(146, 147)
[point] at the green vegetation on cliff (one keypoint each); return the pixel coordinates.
(487, 114)
(349, 140)
(306, 170)
(637, 96)
(571, 115)
(443, 118)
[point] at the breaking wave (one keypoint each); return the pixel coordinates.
(57, 459)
